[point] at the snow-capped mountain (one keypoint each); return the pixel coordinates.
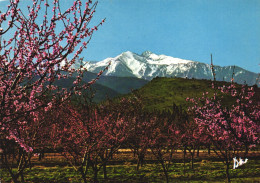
(149, 65)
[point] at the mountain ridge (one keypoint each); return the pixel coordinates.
(106, 86)
(149, 65)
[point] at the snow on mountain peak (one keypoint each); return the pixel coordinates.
(125, 55)
(146, 64)
(166, 60)
(149, 65)
(146, 53)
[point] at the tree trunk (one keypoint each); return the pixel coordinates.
(95, 175)
(83, 175)
(111, 150)
(105, 171)
(198, 151)
(165, 171)
(95, 170)
(192, 153)
(227, 172)
(22, 177)
(184, 158)
(15, 178)
(140, 161)
(166, 175)
(192, 159)
(138, 165)
(246, 152)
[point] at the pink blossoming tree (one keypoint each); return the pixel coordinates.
(87, 137)
(35, 47)
(230, 128)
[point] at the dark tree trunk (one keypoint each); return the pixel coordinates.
(184, 157)
(140, 161)
(246, 152)
(138, 165)
(15, 178)
(165, 171)
(198, 151)
(105, 171)
(192, 159)
(192, 153)
(227, 172)
(22, 177)
(95, 175)
(83, 175)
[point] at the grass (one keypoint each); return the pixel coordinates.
(204, 171)
(161, 93)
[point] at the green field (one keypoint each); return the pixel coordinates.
(209, 170)
(204, 171)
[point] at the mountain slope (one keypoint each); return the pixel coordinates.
(106, 86)
(149, 65)
(161, 93)
(101, 92)
(121, 85)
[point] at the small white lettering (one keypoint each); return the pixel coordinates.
(239, 163)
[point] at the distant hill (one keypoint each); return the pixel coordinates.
(101, 92)
(121, 85)
(106, 87)
(161, 93)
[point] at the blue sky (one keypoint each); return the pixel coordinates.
(188, 29)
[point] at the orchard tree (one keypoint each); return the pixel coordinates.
(230, 128)
(190, 140)
(38, 46)
(139, 139)
(14, 158)
(87, 137)
(35, 46)
(164, 140)
(67, 134)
